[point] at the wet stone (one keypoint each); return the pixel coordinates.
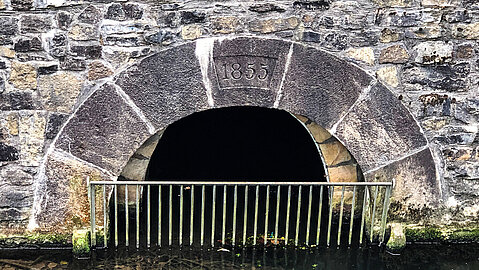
(310, 36)
(90, 15)
(88, 51)
(64, 19)
(26, 45)
(55, 121)
(9, 26)
(3, 65)
(335, 41)
(126, 11)
(16, 101)
(115, 12)
(22, 4)
(133, 11)
(46, 70)
(265, 8)
(35, 23)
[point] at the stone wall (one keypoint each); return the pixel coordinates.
(54, 52)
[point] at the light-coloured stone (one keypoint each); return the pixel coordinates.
(389, 35)
(225, 25)
(135, 169)
(189, 32)
(6, 52)
(397, 240)
(467, 31)
(274, 25)
(334, 153)
(23, 76)
(97, 70)
(347, 173)
(394, 54)
(2, 4)
(439, 3)
(388, 75)
(31, 136)
(365, 55)
(83, 32)
(59, 91)
(12, 124)
(319, 133)
(393, 3)
(433, 52)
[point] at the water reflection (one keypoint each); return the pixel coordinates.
(459, 257)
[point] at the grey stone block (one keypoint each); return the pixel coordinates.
(379, 129)
(105, 131)
(320, 86)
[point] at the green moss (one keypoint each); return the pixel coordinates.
(35, 240)
(81, 242)
(424, 234)
(468, 236)
(397, 240)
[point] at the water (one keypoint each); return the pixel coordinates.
(427, 257)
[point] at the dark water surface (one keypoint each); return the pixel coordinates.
(430, 257)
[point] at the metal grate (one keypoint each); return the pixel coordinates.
(227, 216)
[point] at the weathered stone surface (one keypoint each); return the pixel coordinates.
(2, 4)
(83, 32)
(8, 152)
(162, 36)
(431, 52)
(188, 17)
(3, 65)
(31, 127)
(67, 205)
(121, 12)
(264, 8)
(393, 3)
(388, 75)
(274, 25)
(59, 92)
(319, 134)
(155, 88)
(6, 52)
(334, 153)
(347, 173)
(22, 4)
(64, 19)
(225, 25)
(58, 45)
(311, 5)
(21, 100)
(467, 31)
(115, 12)
(103, 134)
(395, 54)
(88, 51)
(416, 192)
(310, 36)
(23, 76)
(365, 55)
(190, 32)
(439, 3)
(97, 70)
(464, 51)
(26, 45)
(9, 26)
(333, 86)
(47, 70)
(90, 15)
(335, 41)
(259, 65)
(35, 23)
(395, 130)
(447, 77)
(74, 64)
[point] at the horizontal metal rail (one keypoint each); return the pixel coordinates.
(272, 221)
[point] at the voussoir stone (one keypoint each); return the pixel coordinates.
(259, 65)
(321, 86)
(105, 130)
(163, 89)
(394, 130)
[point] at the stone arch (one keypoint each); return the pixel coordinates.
(120, 115)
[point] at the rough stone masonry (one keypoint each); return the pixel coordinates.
(54, 52)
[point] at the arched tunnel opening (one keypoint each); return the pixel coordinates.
(248, 144)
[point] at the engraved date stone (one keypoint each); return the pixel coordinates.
(244, 71)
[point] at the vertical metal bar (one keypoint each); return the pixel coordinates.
(267, 216)
(385, 211)
(256, 214)
(137, 216)
(276, 223)
(213, 216)
(202, 215)
(116, 213)
(192, 211)
(352, 216)
(363, 214)
(159, 215)
(127, 224)
(105, 215)
(286, 238)
(170, 216)
(331, 194)
(235, 204)
(245, 218)
(181, 217)
(310, 199)
(341, 215)
(92, 215)
(223, 233)
(374, 212)
(298, 215)
(148, 217)
(319, 214)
